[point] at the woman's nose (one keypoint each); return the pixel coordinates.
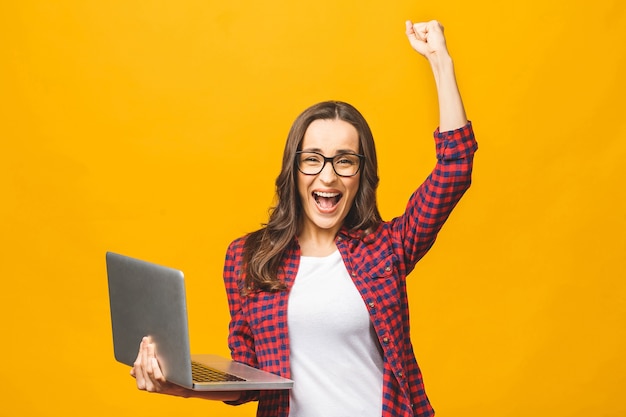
(328, 173)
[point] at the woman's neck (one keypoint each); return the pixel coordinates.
(317, 243)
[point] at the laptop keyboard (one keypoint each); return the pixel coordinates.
(202, 373)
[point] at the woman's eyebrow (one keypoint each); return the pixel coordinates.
(339, 151)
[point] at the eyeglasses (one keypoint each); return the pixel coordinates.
(344, 164)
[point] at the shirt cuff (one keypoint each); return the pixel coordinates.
(246, 396)
(455, 144)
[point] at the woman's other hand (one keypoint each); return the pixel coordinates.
(427, 38)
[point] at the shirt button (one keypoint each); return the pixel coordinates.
(353, 274)
(371, 304)
(387, 269)
(385, 340)
(400, 374)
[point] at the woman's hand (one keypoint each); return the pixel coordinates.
(147, 372)
(427, 38)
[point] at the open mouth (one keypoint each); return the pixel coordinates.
(326, 200)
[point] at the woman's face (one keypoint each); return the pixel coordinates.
(326, 197)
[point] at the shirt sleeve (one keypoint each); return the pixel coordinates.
(431, 204)
(240, 338)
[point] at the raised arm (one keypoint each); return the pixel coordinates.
(433, 201)
(428, 39)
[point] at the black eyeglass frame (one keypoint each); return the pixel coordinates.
(331, 159)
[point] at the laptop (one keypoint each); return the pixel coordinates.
(147, 299)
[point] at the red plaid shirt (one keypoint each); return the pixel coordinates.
(378, 264)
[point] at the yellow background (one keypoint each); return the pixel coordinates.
(155, 129)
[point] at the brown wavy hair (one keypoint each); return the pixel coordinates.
(264, 249)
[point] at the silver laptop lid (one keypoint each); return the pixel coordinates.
(149, 300)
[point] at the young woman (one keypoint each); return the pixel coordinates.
(319, 295)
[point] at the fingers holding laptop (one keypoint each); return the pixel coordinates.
(148, 374)
(144, 367)
(149, 377)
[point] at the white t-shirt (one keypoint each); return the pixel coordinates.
(336, 361)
